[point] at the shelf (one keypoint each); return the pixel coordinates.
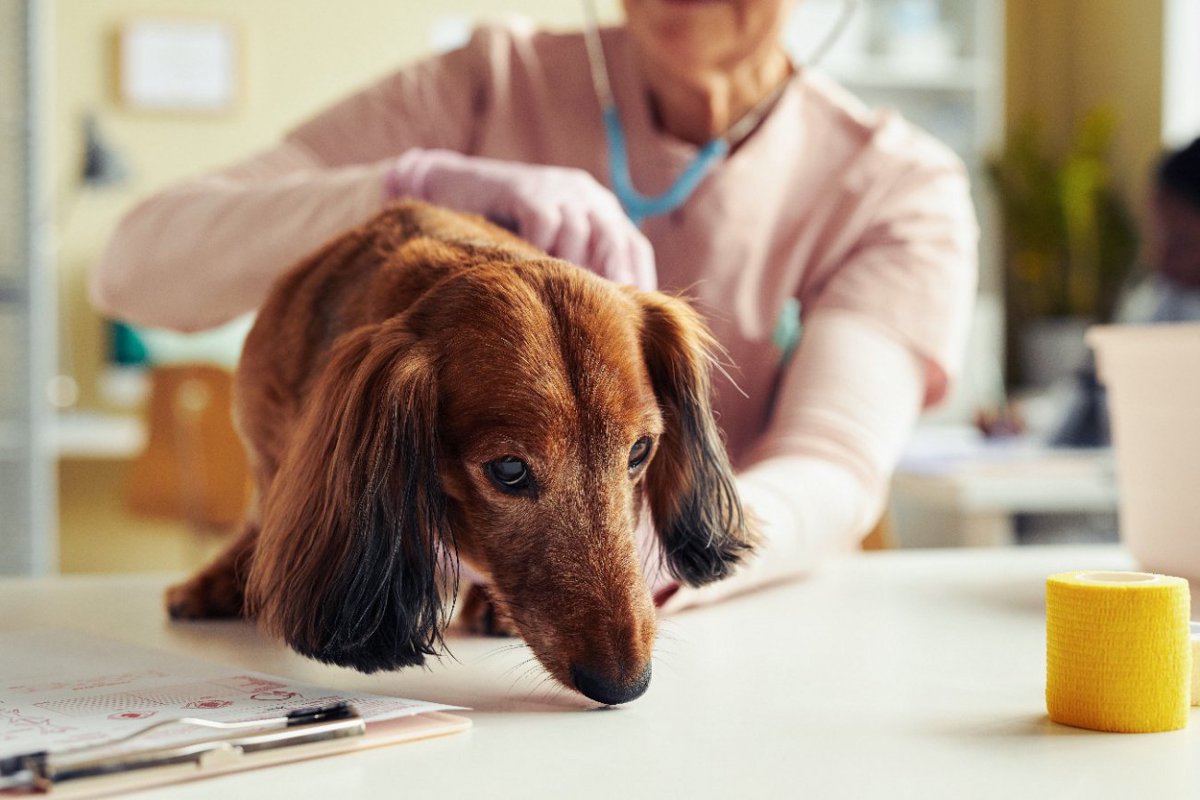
(94, 435)
(80, 436)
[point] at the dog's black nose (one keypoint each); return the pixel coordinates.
(602, 690)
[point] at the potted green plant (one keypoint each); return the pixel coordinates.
(1070, 243)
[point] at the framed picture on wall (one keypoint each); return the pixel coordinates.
(179, 65)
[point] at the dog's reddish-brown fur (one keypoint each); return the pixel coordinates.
(382, 377)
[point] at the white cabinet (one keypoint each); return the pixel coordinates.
(27, 476)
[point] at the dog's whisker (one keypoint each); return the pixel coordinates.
(493, 653)
(663, 653)
(537, 685)
(669, 636)
(533, 671)
(501, 650)
(512, 686)
(664, 647)
(551, 689)
(513, 668)
(529, 671)
(519, 665)
(541, 687)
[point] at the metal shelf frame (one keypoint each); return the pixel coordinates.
(28, 490)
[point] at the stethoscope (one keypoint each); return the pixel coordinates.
(637, 205)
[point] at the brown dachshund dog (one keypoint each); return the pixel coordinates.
(427, 388)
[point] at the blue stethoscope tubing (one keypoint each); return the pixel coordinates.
(637, 205)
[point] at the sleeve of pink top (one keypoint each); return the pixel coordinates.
(846, 406)
(880, 343)
(207, 250)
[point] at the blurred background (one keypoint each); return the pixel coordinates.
(116, 451)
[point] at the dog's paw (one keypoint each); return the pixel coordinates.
(204, 597)
(482, 617)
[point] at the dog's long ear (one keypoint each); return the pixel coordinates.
(690, 483)
(346, 565)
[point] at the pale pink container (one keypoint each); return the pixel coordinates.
(1152, 373)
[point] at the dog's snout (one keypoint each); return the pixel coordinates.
(610, 692)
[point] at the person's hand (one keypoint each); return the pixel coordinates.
(565, 212)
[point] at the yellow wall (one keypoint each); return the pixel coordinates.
(1068, 57)
(299, 56)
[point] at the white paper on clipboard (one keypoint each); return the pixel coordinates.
(61, 690)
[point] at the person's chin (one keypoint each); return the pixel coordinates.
(684, 6)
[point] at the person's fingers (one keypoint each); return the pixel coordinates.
(571, 243)
(606, 249)
(538, 224)
(642, 263)
(619, 251)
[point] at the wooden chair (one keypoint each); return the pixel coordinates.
(193, 467)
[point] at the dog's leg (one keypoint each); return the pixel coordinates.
(217, 591)
(481, 616)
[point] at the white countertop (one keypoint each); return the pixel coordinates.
(1035, 480)
(897, 674)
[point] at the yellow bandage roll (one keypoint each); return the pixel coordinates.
(1196, 663)
(1118, 654)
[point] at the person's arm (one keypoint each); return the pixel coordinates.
(882, 340)
(205, 251)
(845, 408)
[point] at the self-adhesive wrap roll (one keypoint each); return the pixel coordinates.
(1118, 654)
(1195, 663)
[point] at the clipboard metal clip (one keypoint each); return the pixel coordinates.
(45, 770)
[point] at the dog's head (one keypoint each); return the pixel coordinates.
(517, 414)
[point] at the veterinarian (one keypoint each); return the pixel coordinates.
(743, 180)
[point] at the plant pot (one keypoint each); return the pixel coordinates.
(1051, 349)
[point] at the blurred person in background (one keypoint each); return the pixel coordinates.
(1167, 289)
(1170, 289)
(769, 191)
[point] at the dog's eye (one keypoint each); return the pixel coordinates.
(510, 474)
(639, 452)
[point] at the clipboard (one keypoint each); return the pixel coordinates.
(235, 757)
(84, 716)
